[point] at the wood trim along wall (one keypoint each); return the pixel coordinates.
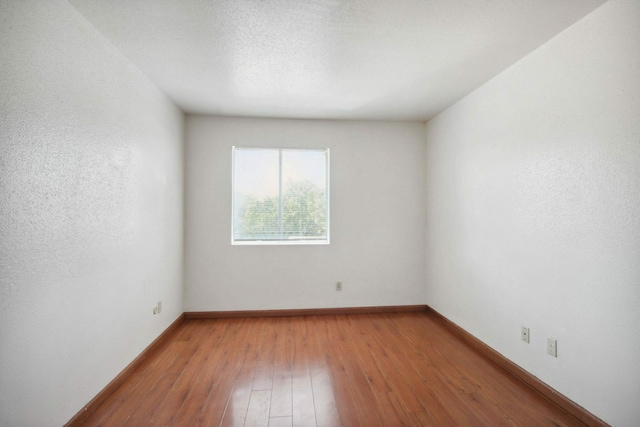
(90, 407)
(558, 399)
(302, 312)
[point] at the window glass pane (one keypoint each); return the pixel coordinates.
(256, 194)
(304, 194)
(280, 195)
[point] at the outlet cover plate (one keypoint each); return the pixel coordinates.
(552, 346)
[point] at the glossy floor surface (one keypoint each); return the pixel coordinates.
(348, 370)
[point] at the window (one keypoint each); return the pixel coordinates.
(280, 196)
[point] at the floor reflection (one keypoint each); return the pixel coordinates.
(300, 395)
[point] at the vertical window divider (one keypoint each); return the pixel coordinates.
(280, 196)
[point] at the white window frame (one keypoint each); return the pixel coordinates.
(283, 241)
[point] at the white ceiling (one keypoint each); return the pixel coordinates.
(340, 59)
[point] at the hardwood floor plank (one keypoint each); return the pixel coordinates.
(283, 355)
(383, 369)
(360, 339)
(326, 330)
(323, 397)
(361, 389)
(268, 340)
(392, 410)
(474, 376)
(189, 379)
(281, 422)
(424, 419)
(220, 393)
(115, 410)
(436, 396)
(299, 337)
(199, 410)
(263, 377)
(304, 414)
(148, 405)
(258, 410)
(203, 376)
(235, 414)
(388, 366)
(140, 412)
(282, 392)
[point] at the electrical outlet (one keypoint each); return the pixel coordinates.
(525, 334)
(338, 286)
(552, 346)
(159, 306)
(155, 310)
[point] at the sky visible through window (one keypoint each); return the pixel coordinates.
(258, 174)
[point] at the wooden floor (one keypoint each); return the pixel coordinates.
(349, 370)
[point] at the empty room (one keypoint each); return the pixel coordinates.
(319, 213)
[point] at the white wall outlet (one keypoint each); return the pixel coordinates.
(552, 346)
(338, 286)
(525, 334)
(159, 306)
(155, 310)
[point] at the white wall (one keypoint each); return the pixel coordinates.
(377, 219)
(91, 212)
(533, 195)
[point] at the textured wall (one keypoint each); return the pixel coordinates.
(534, 212)
(91, 212)
(377, 218)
